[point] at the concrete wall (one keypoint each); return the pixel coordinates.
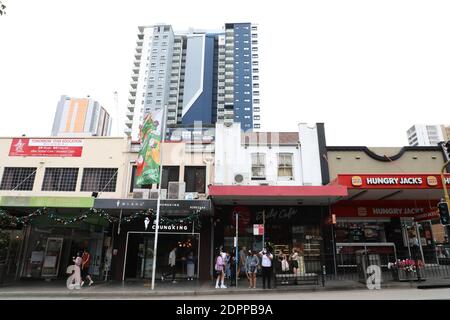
(358, 161)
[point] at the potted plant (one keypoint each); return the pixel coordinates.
(406, 269)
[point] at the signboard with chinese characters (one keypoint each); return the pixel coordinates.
(29, 147)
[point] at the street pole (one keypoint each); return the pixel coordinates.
(444, 186)
(264, 228)
(158, 203)
(236, 249)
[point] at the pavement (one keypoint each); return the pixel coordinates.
(195, 289)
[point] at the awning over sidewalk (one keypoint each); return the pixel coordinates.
(285, 195)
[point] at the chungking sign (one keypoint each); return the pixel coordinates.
(29, 147)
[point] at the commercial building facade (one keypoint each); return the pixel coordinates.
(427, 135)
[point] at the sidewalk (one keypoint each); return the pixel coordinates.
(114, 289)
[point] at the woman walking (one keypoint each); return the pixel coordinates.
(251, 266)
(219, 267)
(190, 266)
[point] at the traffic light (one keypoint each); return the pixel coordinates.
(444, 213)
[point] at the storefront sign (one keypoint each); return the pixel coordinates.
(391, 181)
(258, 229)
(171, 227)
(371, 209)
(46, 147)
(143, 204)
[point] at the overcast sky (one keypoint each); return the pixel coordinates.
(368, 69)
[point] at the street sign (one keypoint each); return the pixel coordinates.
(258, 229)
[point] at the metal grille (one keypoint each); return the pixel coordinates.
(18, 178)
(60, 179)
(99, 179)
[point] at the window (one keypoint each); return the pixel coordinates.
(60, 179)
(254, 35)
(169, 174)
(256, 109)
(255, 63)
(18, 178)
(255, 49)
(257, 126)
(256, 70)
(156, 37)
(255, 77)
(99, 179)
(160, 78)
(256, 93)
(255, 100)
(254, 28)
(256, 117)
(195, 178)
(256, 85)
(161, 71)
(254, 41)
(165, 36)
(258, 166)
(158, 94)
(285, 165)
(158, 102)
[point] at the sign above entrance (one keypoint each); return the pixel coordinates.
(392, 181)
(144, 204)
(46, 147)
(386, 209)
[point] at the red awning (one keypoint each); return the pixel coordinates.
(282, 195)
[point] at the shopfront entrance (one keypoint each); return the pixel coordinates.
(139, 254)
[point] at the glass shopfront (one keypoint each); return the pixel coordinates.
(286, 228)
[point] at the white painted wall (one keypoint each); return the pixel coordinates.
(232, 157)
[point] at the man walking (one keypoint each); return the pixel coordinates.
(172, 264)
(266, 264)
(85, 263)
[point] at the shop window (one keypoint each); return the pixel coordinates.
(258, 166)
(60, 179)
(285, 165)
(354, 231)
(18, 178)
(195, 178)
(99, 179)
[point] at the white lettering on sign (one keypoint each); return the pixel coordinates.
(397, 211)
(394, 181)
(447, 180)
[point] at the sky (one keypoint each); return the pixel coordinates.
(367, 69)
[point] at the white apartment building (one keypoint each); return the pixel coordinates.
(426, 135)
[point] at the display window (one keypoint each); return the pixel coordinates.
(360, 231)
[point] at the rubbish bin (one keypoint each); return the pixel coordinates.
(365, 259)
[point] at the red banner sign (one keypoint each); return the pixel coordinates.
(29, 147)
(420, 210)
(392, 181)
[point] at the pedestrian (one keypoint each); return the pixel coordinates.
(227, 261)
(85, 263)
(266, 263)
(190, 266)
(242, 258)
(219, 267)
(251, 266)
(233, 268)
(284, 268)
(294, 261)
(172, 264)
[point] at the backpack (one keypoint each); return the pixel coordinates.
(219, 264)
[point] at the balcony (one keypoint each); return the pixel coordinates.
(132, 99)
(138, 56)
(129, 123)
(135, 77)
(139, 49)
(127, 131)
(133, 92)
(130, 107)
(135, 70)
(130, 115)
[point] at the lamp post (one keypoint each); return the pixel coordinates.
(158, 203)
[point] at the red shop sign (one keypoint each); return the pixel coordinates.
(392, 181)
(384, 209)
(30, 147)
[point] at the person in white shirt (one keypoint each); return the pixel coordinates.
(172, 264)
(266, 263)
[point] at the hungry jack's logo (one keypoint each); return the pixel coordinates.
(356, 181)
(432, 181)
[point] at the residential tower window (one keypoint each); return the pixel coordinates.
(60, 179)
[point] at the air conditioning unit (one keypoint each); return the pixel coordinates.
(141, 193)
(154, 194)
(240, 178)
(176, 190)
(191, 195)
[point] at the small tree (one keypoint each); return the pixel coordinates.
(2, 8)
